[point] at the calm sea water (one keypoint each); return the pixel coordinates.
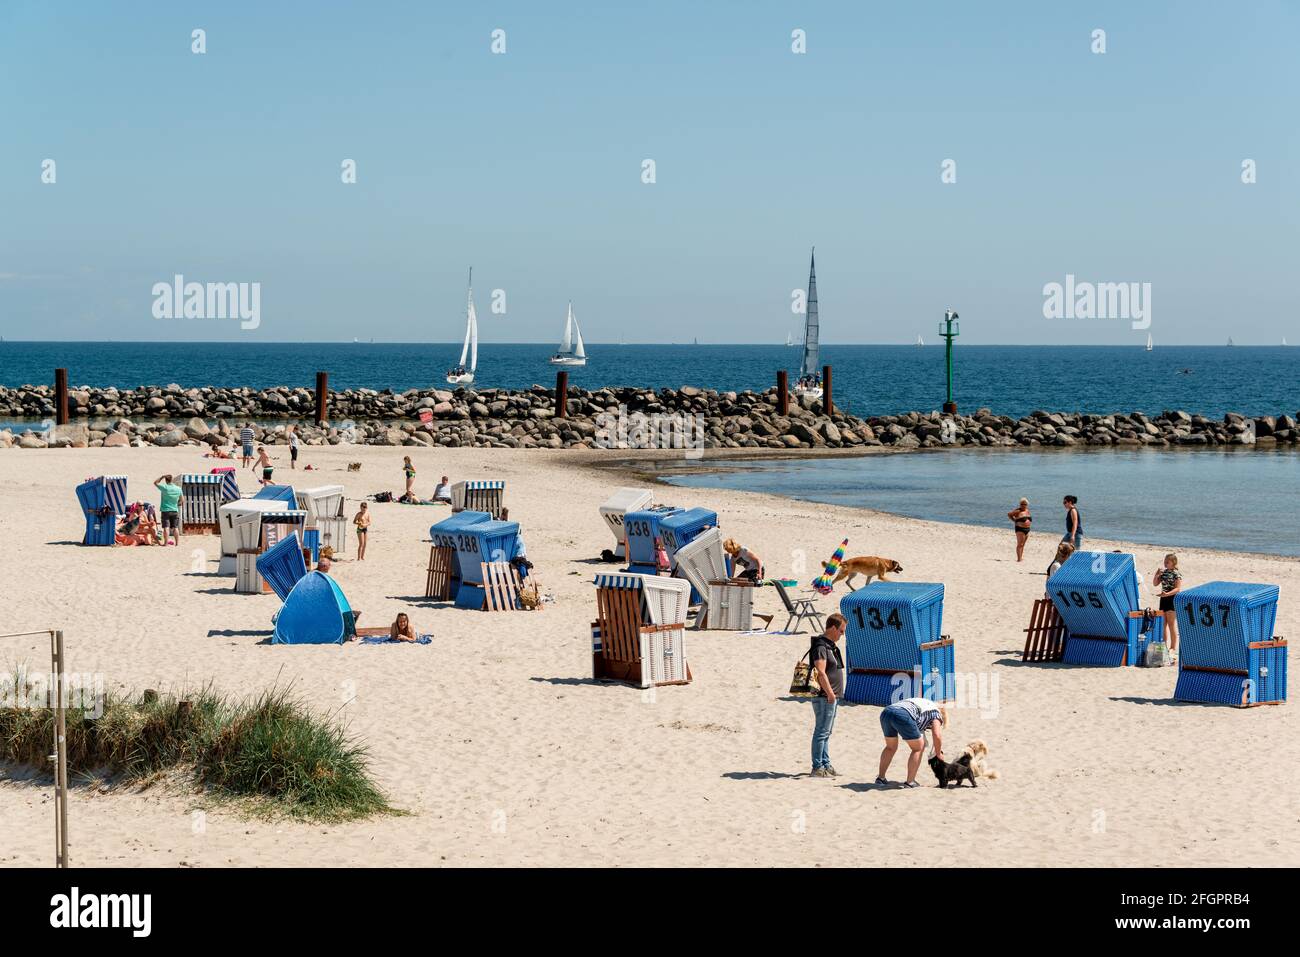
(1240, 500)
(1011, 380)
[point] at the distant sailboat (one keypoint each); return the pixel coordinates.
(1230, 342)
(920, 341)
(1283, 340)
(571, 351)
(463, 374)
(788, 340)
(810, 373)
(1149, 342)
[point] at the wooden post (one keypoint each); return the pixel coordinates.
(561, 394)
(782, 392)
(60, 396)
(322, 397)
(828, 404)
(60, 750)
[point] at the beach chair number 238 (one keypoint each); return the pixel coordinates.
(639, 528)
(1079, 601)
(876, 620)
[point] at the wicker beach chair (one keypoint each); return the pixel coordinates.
(799, 609)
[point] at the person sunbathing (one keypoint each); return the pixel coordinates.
(402, 630)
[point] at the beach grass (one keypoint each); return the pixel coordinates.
(270, 749)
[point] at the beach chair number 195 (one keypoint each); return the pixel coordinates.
(878, 622)
(1078, 600)
(1207, 615)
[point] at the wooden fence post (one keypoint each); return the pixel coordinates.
(60, 396)
(782, 393)
(561, 394)
(828, 404)
(322, 397)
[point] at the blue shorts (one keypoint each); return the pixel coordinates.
(248, 451)
(897, 722)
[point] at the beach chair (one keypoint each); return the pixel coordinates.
(229, 483)
(893, 643)
(639, 635)
(613, 509)
(282, 565)
(641, 528)
(679, 530)
(501, 587)
(444, 535)
(201, 497)
(325, 513)
(799, 609)
(1096, 597)
(701, 561)
(280, 493)
(441, 572)
(1227, 651)
(480, 544)
(102, 500)
(484, 495)
(1045, 636)
(237, 513)
(731, 605)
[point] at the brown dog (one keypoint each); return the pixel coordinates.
(868, 565)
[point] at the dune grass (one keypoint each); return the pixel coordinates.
(270, 749)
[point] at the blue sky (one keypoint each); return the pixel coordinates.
(225, 167)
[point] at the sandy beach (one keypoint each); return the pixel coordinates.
(504, 752)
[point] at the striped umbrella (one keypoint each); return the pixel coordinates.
(822, 582)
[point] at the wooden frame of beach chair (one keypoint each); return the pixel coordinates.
(500, 587)
(442, 566)
(625, 647)
(1046, 634)
(800, 609)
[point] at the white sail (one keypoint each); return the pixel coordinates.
(920, 341)
(1149, 342)
(469, 328)
(566, 343)
(473, 336)
(579, 350)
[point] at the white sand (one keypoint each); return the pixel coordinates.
(506, 753)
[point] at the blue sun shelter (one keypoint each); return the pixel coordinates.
(278, 493)
(444, 535)
(315, 613)
(282, 565)
(484, 542)
(102, 500)
(1227, 653)
(1096, 596)
(642, 528)
(894, 647)
(682, 529)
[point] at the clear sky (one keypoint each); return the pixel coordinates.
(226, 167)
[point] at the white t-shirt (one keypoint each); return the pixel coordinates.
(442, 491)
(925, 711)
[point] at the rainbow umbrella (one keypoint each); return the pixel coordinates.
(822, 582)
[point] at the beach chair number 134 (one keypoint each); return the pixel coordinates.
(878, 622)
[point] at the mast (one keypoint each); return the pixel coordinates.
(811, 355)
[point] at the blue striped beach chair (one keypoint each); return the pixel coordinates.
(1096, 598)
(482, 495)
(282, 565)
(102, 500)
(639, 635)
(229, 484)
(1227, 652)
(894, 647)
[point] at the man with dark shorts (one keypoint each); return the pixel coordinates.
(170, 508)
(909, 720)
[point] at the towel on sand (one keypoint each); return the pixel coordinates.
(420, 640)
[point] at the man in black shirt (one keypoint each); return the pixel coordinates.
(828, 671)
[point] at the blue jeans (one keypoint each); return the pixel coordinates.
(824, 723)
(1076, 541)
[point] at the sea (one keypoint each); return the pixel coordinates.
(1237, 499)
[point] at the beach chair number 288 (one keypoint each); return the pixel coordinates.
(1078, 600)
(877, 621)
(1207, 615)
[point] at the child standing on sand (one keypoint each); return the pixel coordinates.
(1170, 582)
(264, 463)
(362, 521)
(410, 478)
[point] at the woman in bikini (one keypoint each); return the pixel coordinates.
(1021, 521)
(410, 478)
(362, 521)
(402, 630)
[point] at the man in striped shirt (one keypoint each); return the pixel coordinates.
(246, 439)
(910, 719)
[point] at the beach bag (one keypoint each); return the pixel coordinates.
(1156, 655)
(383, 496)
(803, 684)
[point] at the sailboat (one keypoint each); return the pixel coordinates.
(810, 373)
(571, 351)
(920, 341)
(1230, 342)
(788, 340)
(1283, 340)
(463, 374)
(1149, 342)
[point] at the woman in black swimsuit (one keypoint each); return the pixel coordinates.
(1020, 521)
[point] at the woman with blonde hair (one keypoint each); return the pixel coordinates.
(1170, 582)
(1063, 552)
(1020, 521)
(740, 555)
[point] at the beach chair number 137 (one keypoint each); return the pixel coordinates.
(1078, 600)
(1207, 615)
(877, 622)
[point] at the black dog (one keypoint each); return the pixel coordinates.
(956, 772)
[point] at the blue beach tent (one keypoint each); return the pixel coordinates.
(278, 493)
(315, 613)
